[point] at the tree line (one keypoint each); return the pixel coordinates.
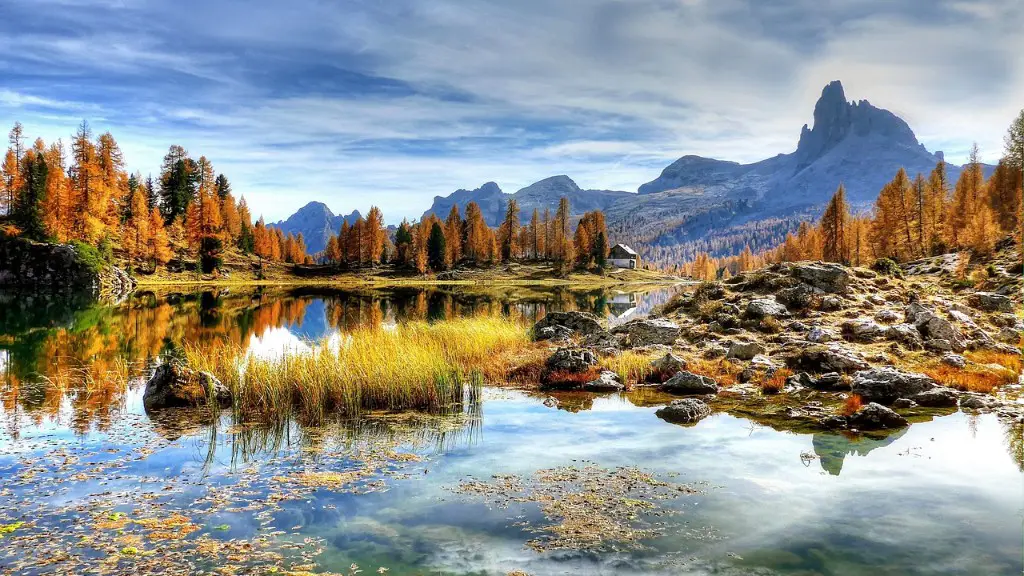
(89, 198)
(912, 218)
(432, 244)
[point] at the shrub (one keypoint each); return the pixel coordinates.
(852, 404)
(90, 256)
(775, 382)
(887, 267)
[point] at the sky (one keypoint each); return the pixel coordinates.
(391, 102)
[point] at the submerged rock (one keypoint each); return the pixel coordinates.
(885, 385)
(684, 411)
(175, 385)
(648, 331)
(689, 383)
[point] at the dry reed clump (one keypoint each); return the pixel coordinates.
(414, 366)
(724, 372)
(631, 367)
(774, 383)
(851, 406)
(971, 378)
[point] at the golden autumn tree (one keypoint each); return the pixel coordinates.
(87, 188)
(933, 216)
(159, 246)
(834, 225)
(453, 236)
(507, 240)
(135, 231)
(57, 210)
(373, 229)
(478, 242)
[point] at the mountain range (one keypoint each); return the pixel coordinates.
(699, 203)
(316, 223)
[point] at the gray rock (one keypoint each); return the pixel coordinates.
(904, 404)
(798, 297)
(887, 384)
(759, 365)
(684, 411)
(907, 335)
(954, 360)
(819, 335)
(887, 316)
(608, 381)
(764, 307)
(583, 323)
(830, 358)
(571, 360)
(977, 401)
(939, 345)
(745, 350)
(827, 277)
(831, 304)
(648, 331)
(938, 397)
(864, 330)
(714, 352)
(685, 383)
(876, 417)
(1008, 335)
(933, 327)
(556, 333)
(174, 384)
(830, 381)
(991, 302)
(667, 365)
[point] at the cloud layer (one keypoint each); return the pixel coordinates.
(364, 102)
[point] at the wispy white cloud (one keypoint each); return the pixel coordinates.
(362, 102)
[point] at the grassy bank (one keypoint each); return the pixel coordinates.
(413, 366)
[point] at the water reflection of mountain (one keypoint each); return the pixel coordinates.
(832, 449)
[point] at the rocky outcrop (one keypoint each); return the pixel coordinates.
(581, 323)
(648, 331)
(764, 307)
(991, 302)
(935, 328)
(175, 385)
(59, 268)
(885, 385)
(685, 383)
(938, 397)
(864, 330)
(665, 367)
(745, 350)
(570, 360)
(828, 358)
(826, 277)
(684, 411)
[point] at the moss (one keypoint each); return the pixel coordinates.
(90, 256)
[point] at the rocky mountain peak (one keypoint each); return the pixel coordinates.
(835, 119)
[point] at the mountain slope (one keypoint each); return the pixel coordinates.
(316, 223)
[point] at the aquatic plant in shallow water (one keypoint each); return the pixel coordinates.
(412, 366)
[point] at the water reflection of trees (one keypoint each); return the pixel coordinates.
(71, 360)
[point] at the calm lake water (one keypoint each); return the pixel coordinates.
(101, 487)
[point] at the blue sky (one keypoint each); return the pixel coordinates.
(391, 102)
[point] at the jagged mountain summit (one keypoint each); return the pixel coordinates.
(543, 194)
(316, 223)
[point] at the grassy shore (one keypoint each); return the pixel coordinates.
(245, 270)
(412, 366)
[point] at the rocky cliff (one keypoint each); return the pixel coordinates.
(59, 268)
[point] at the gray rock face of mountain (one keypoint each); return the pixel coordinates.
(853, 143)
(539, 195)
(316, 223)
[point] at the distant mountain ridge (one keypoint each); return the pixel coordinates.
(718, 206)
(316, 223)
(541, 195)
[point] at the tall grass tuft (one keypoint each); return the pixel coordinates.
(413, 366)
(631, 367)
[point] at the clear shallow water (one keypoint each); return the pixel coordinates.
(942, 497)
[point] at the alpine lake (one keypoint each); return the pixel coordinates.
(506, 483)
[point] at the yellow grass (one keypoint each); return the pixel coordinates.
(631, 367)
(722, 371)
(413, 366)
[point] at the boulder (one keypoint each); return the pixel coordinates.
(907, 335)
(938, 397)
(685, 383)
(954, 360)
(938, 345)
(798, 297)
(887, 316)
(684, 411)
(991, 302)
(648, 331)
(933, 327)
(570, 360)
(669, 364)
(830, 381)
(827, 277)
(1009, 335)
(607, 381)
(583, 323)
(830, 358)
(556, 333)
(904, 404)
(764, 307)
(887, 384)
(876, 417)
(819, 335)
(759, 365)
(864, 330)
(174, 384)
(830, 303)
(745, 350)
